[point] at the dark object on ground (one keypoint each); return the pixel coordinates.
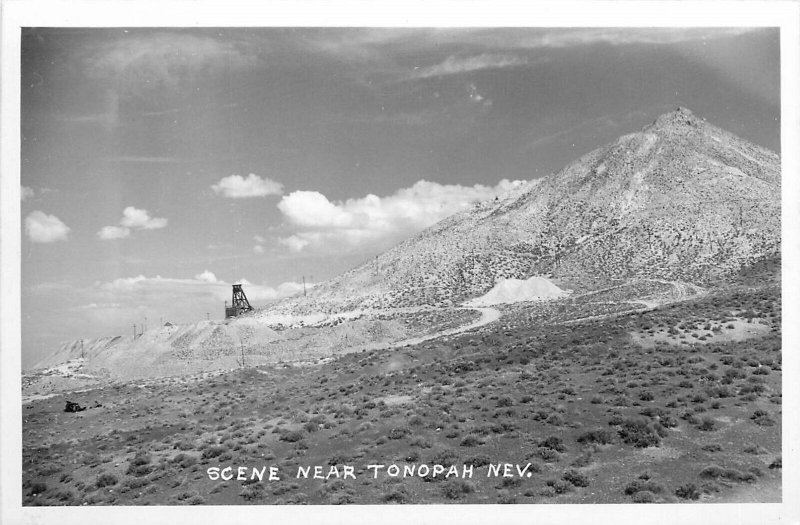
(73, 407)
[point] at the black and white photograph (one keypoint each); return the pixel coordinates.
(439, 263)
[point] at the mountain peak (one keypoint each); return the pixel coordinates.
(678, 118)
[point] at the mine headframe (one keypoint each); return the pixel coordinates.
(239, 303)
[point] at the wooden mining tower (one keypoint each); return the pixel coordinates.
(239, 304)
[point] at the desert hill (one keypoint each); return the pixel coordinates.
(681, 200)
(680, 204)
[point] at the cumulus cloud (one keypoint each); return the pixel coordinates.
(108, 233)
(204, 288)
(136, 218)
(206, 276)
(45, 228)
(25, 193)
(238, 187)
(258, 249)
(132, 219)
(323, 224)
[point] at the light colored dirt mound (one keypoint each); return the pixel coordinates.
(519, 290)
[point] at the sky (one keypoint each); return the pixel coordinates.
(160, 166)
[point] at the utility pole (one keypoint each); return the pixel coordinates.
(81, 348)
(134, 331)
(242, 347)
(304, 286)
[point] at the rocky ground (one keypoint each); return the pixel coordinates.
(656, 404)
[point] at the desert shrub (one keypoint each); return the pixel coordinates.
(141, 458)
(707, 424)
(505, 401)
(715, 472)
(212, 451)
(762, 418)
(478, 461)
(755, 449)
(37, 487)
(292, 436)
(560, 486)
(776, 463)
(639, 433)
(576, 478)
(639, 485)
(554, 443)
(399, 433)
(688, 491)
(420, 441)
(510, 483)
(644, 496)
(106, 480)
(457, 488)
(583, 460)
(646, 396)
(712, 447)
(252, 492)
(547, 454)
(445, 458)
(395, 496)
(600, 435)
(471, 440)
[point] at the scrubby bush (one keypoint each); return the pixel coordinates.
(471, 440)
(212, 452)
(106, 480)
(644, 496)
(731, 474)
(554, 443)
(688, 491)
(707, 424)
(762, 418)
(639, 485)
(457, 488)
(639, 433)
(478, 461)
(576, 478)
(601, 435)
(292, 436)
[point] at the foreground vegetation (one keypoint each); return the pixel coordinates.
(657, 406)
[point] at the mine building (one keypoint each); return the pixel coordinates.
(239, 303)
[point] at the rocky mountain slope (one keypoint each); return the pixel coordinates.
(680, 200)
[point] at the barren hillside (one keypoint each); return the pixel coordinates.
(680, 200)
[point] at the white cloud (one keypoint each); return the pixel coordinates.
(204, 287)
(206, 276)
(453, 65)
(108, 233)
(44, 228)
(132, 219)
(238, 187)
(136, 218)
(25, 193)
(259, 239)
(327, 225)
(258, 249)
